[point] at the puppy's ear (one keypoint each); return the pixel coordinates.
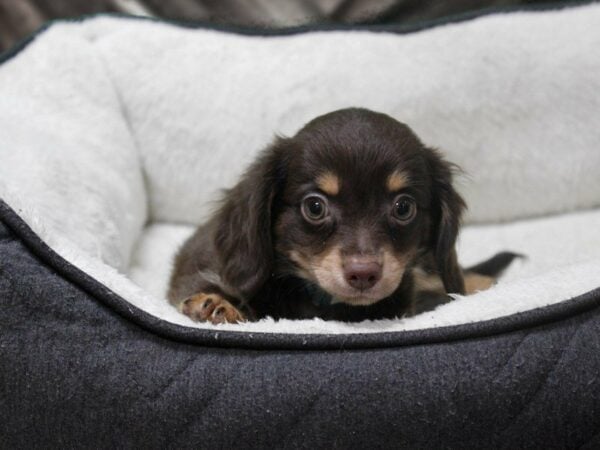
(447, 209)
(243, 239)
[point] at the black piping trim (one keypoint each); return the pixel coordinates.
(282, 341)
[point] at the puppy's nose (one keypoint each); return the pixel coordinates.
(362, 275)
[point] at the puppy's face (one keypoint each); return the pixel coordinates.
(356, 207)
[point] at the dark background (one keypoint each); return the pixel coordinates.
(18, 18)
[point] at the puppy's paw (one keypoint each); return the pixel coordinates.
(210, 308)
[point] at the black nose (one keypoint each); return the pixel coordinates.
(362, 275)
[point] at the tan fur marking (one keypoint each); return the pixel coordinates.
(396, 181)
(328, 266)
(329, 183)
(303, 264)
(394, 266)
(428, 282)
(475, 283)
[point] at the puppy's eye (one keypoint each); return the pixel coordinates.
(314, 208)
(404, 209)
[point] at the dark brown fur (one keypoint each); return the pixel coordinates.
(259, 254)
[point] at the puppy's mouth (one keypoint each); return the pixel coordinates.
(357, 286)
(359, 298)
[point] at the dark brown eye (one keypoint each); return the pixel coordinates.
(314, 208)
(404, 209)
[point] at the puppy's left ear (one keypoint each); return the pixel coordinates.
(447, 209)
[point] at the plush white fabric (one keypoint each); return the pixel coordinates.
(66, 149)
(508, 97)
(109, 124)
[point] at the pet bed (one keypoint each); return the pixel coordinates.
(116, 136)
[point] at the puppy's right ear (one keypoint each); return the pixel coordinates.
(243, 238)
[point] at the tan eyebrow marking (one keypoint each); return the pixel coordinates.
(329, 183)
(397, 180)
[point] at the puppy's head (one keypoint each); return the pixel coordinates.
(348, 203)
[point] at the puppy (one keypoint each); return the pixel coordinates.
(351, 219)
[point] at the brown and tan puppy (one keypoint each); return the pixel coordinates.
(335, 222)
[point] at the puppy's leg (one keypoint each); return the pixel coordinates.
(196, 289)
(430, 289)
(430, 292)
(474, 282)
(201, 297)
(210, 307)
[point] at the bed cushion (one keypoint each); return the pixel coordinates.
(140, 123)
(117, 134)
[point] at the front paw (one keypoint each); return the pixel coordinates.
(210, 308)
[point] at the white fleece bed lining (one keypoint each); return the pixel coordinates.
(108, 157)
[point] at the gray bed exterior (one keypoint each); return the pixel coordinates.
(80, 367)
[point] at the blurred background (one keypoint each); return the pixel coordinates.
(18, 18)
